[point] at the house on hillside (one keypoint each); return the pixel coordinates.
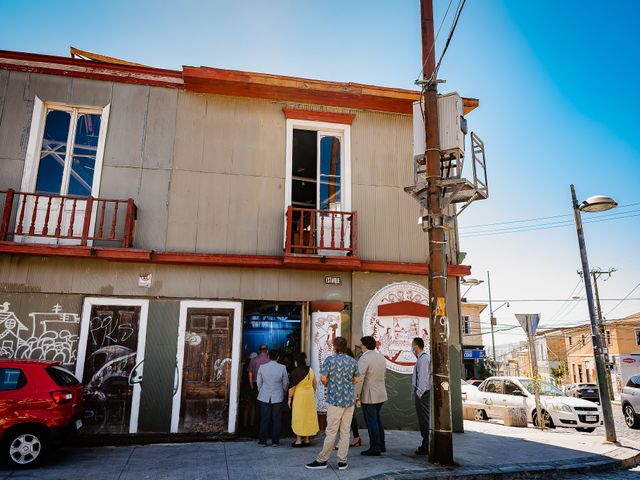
(187, 216)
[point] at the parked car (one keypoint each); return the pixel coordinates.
(630, 401)
(469, 392)
(588, 391)
(41, 404)
(558, 410)
(475, 383)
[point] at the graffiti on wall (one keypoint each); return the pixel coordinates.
(325, 327)
(45, 336)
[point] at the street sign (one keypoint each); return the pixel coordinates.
(529, 319)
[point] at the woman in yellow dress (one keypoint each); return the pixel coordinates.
(302, 401)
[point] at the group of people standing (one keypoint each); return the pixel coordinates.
(347, 383)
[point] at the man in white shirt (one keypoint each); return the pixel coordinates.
(421, 381)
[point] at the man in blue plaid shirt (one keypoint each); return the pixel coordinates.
(339, 374)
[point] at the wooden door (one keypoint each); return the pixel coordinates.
(206, 373)
(112, 345)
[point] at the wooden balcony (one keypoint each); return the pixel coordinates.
(40, 218)
(321, 233)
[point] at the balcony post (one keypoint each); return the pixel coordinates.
(354, 234)
(6, 214)
(289, 219)
(88, 213)
(129, 224)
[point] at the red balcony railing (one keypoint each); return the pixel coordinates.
(321, 232)
(71, 220)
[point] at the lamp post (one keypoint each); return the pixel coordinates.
(598, 203)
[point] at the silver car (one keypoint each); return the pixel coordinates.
(630, 401)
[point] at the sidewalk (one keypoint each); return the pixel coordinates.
(486, 450)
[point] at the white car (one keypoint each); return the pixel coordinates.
(558, 410)
(469, 392)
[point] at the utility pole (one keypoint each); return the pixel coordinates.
(596, 274)
(491, 319)
(441, 441)
(605, 401)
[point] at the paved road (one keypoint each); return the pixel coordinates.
(622, 430)
(621, 475)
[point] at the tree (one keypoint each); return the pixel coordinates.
(558, 373)
(488, 368)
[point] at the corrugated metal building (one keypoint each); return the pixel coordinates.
(159, 225)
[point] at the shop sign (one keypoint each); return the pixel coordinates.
(395, 328)
(144, 281)
(474, 353)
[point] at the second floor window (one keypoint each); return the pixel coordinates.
(466, 322)
(67, 157)
(316, 170)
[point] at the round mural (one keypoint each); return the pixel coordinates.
(393, 329)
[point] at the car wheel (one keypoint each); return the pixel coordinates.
(25, 447)
(630, 417)
(480, 415)
(548, 421)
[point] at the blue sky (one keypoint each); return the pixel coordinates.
(556, 83)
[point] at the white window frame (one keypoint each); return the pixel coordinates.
(235, 357)
(323, 128)
(89, 302)
(34, 146)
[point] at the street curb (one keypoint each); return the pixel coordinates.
(618, 459)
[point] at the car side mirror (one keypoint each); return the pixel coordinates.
(519, 393)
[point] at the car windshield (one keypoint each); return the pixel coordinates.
(546, 388)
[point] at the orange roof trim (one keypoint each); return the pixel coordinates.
(223, 82)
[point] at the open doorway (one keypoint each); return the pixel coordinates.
(279, 325)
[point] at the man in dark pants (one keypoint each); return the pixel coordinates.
(372, 393)
(421, 381)
(272, 383)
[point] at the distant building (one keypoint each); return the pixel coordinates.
(472, 345)
(551, 352)
(622, 341)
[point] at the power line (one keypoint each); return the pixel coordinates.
(434, 42)
(530, 228)
(569, 298)
(526, 220)
(623, 299)
(449, 37)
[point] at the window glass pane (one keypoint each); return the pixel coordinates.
(330, 173)
(84, 154)
(62, 377)
(305, 156)
(510, 388)
(53, 152)
(11, 379)
(303, 194)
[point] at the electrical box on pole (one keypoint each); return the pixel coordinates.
(453, 138)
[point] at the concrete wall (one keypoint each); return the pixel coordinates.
(207, 171)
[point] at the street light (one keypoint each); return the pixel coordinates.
(598, 203)
(470, 282)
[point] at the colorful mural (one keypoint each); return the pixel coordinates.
(394, 332)
(325, 326)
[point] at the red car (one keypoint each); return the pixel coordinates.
(40, 404)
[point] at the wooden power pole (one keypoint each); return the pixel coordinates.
(441, 443)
